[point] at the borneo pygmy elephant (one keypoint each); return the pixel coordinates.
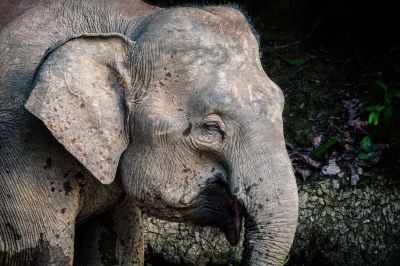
(118, 105)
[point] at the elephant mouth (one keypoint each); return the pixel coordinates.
(232, 232)
(215, 206)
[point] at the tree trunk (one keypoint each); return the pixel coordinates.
(338, 225)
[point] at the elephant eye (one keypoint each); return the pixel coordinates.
(214, 127)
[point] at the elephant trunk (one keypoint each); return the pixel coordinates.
(269, 196)
(268, 239)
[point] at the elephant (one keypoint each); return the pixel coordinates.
(124, 108)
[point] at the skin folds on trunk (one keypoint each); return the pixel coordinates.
(267, 243)
(270, 198)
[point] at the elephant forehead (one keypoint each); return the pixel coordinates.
(251, 101)
(187, 20)
(217, 60)
(239, 80)
(187, 29)
(228, 83)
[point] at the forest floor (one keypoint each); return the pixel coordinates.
(341, 113)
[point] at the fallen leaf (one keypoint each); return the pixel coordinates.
(310, 161)
(353, 107)
(317, 140)
(322, 149)
(299, 158)
(304, 172)
(331, 168)
(357, 123)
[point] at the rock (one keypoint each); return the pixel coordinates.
(354, 178)
(340, 220)
(335, 183)
(359, 170)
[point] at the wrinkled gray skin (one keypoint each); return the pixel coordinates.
(169, 109)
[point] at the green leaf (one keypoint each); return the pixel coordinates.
(382, 85)
(380, 107)
(149, 264)
(387, 113)
(321, 150)
(388, 97)
(297, 61)
(373, 118)
(365, 155)
(366, 142)
(376, 120)
(396, 93)
(371, 107)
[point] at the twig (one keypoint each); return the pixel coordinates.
(394, 49)
(278, 47)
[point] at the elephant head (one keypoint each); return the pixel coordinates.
(183, 108)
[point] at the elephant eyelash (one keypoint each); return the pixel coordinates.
(212, 126)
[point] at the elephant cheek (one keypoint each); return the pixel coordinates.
(215, 206)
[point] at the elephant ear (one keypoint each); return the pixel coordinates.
(78, 93)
